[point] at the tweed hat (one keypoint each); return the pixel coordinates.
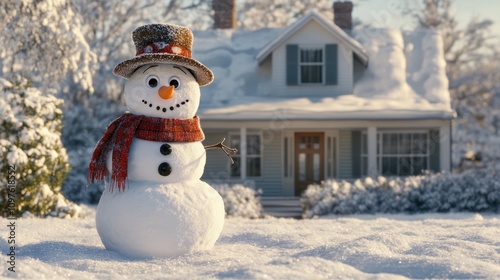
(164, 43)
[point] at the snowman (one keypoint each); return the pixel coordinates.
(155, 204)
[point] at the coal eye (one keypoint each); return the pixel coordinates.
(174, 81)
(152, 81)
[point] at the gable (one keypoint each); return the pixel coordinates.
(313, 38)
(312, 33)
(310, 28)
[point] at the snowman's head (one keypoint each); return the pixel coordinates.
(164, 91)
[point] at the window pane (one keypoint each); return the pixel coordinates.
(314, 142)
(235, 167)
(390, 166)
(419, 164)
(253, 145)
(302, 167)
(311, 55)
(419, 143)
(285, 159)
(234, 141)
(364, 144)
(378, 144)
(390, 143)
(404, 144)
(302, 143)
(311, 73)
(253, 166)
(316, 167)
(405, 166)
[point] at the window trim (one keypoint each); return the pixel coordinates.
(322, 63)
(381, 155)
(238, 155)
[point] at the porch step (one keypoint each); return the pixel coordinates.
(282, 207)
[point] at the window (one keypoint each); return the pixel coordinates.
(311, 65)
(306, 65)
(253, 157)
(398, 154)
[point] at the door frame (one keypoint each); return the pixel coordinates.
(288, 161)
(322, 162)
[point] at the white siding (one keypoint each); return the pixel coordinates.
(264, 85)
(272, 167)
(445, 150)
(345, 154)
(313, 33)
(217, 167)
(216, 170)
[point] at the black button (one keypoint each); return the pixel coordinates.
(165, 149)
(164, 169)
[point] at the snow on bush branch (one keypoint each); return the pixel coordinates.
(30, 131)
(240, 201)
(473, 191)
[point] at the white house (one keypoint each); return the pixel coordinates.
(312, 101)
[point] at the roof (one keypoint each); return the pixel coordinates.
(405, 79)
(345, 107)
(336, 31)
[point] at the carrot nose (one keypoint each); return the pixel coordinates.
(166, 92)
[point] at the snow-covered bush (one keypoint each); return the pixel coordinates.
(30, 143)
(240, 201)
(476, 190)
(84, 125)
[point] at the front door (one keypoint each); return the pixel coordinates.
(309, 160)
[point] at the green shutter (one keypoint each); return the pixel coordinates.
(331, 64)
(434, 149)
(356, 153)
(292, 65)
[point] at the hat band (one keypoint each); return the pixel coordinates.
(162, 47)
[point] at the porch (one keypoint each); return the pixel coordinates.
(283, 157)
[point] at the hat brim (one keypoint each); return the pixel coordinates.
(202, 74)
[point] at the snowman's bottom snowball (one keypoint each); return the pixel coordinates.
(160, 220)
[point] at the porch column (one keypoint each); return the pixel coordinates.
(243, 153)
(372, 151)
(445, 147)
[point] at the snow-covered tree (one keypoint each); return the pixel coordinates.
(107, 27)
(473, 71)
(30, 144)
(42, 40)
(463, 46)
(255, 14)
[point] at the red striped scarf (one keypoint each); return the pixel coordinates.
(118, 138)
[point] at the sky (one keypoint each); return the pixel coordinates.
(387, 13)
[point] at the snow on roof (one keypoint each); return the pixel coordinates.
(405, 79)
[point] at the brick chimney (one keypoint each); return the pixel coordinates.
(224, 14)
(342, 14)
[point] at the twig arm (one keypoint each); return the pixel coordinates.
(224, 148)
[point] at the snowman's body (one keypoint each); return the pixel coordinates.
(160, 214)
(187, 161)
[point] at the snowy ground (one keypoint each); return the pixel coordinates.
(361, 247)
